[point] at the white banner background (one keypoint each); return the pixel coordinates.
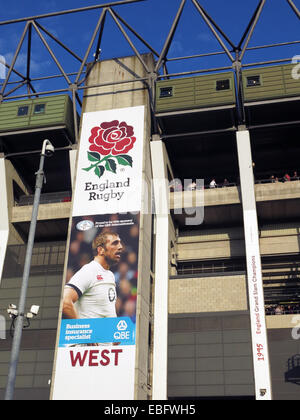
(89, 195)
(93, 381)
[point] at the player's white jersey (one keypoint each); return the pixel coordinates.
(96, 289)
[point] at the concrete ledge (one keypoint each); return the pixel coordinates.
(212, 197)
(282, 321)
(231, 195)
(46, 212)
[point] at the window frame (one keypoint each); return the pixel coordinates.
(41, 112)
(23, 115)
(222, 81)
(169, 92)
(258, 76)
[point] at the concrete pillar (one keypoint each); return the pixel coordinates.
(122, 96)
(260, 351)
(73, 157)
(113, 96)
(161, 278)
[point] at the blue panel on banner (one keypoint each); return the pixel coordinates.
(97, 330)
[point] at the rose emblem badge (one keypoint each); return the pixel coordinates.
(110, 143)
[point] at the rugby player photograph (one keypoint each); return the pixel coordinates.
(102, 269)
(91, 291)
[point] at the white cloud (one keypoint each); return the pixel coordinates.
(2, 67)
(21, 63)
(176, 48)
(205, 37)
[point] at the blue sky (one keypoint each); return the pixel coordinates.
(152, 19)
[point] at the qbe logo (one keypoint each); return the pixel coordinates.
(122, 334)
(122, 325)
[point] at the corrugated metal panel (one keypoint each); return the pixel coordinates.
(275, 82)
(55, 113)
(193, 92)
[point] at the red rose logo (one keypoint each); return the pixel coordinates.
(112, 138)
(109, 144)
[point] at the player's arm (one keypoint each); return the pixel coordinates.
(69, 298)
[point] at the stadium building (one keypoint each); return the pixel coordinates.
(217, 292)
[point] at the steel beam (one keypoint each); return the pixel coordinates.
(99, 23)
(295, 9)
(51, 53)
(129, 41)
(136, 34)
(217, 27)
(66, 12)
(170, 36)
(208, 22)
(14, 59)
(255, 20)
(59, 42)
(248, 27)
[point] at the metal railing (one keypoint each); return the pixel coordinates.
(276, 180)
(57, 197)
(282, 312)
(181, 187)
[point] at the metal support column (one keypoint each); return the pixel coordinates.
(9, 394)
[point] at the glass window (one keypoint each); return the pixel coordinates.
(23, 110)
(39, 109)
(253, 81)
(223, 84)
(166, 92)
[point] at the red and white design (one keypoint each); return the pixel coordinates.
(112, 138)
(95, 373)
(109, 174)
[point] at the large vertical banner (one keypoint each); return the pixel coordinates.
(95, 357)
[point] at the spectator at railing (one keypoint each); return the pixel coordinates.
(175, 185)
(213, 183)
(295, 176)
(191, 186)
(178, 185)
(274, 178)
(279, 309)
(225, 182)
